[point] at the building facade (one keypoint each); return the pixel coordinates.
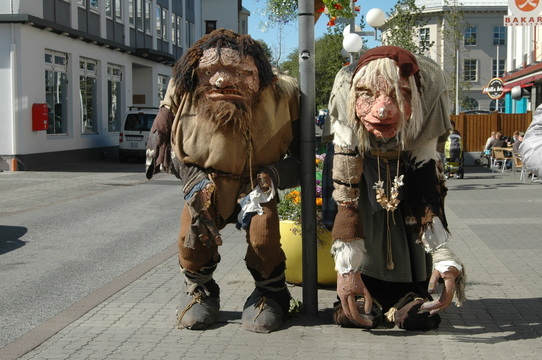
(523, 77)
(71, 68)
(474, 55)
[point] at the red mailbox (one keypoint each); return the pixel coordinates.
(40, 117)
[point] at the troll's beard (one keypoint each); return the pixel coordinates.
(224, 113)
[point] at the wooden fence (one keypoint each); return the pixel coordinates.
(476, 128)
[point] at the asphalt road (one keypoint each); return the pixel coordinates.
(65, 234)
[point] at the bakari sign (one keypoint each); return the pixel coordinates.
(524, 12)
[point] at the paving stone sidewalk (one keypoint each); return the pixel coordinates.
(496, 231)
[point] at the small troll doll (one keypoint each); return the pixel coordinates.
(228, 128)
(388, 114)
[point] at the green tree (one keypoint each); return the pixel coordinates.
(291, 65)
(267, 50)
(328, 61)
(452, 33)
(404, 18)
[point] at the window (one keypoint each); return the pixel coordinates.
(148, 16)
(131, 17)
(56, 91)
(95, 5)
(470, 69)
(210, 26)
(161, 22)
(501, 105)
(470, 35)
(82, 3)
(114, 97)
(164, 23)
(494, 72)
(162, 86)
(470, 104)
(158, 15)
(179, 31)
(189, 33)
(424, 38)
(139, 12)
(244, 27)
(173, 29)
(499, 35)
(118, 10)
(88, 93)
(108, 9)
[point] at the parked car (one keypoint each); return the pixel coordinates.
(471, 112)
(135, 132)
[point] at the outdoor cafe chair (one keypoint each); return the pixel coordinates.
(501, 156)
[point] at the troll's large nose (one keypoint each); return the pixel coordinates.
(222, 79)
(383, 108)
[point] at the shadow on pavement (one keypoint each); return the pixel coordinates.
(488, 321)
(10, 238)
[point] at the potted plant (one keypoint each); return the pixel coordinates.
(289, 209)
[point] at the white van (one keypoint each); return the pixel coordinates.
(135, 132)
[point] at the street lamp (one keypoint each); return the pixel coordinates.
(352, 34)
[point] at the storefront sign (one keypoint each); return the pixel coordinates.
(524, 12)
(495, 88)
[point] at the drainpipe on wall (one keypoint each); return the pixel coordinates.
(13, 62)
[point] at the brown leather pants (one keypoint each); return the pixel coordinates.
(264, 251)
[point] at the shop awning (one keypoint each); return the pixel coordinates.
(524, 77)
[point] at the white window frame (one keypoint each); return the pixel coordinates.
(114, 111)
(88, 69)
(425, 37)
(118, 11)
(58, 64)
(147, 17)
(472, 38)
(502, 69)
(163, 81)
(131, 13)
(499, 30)
(158, 20)
(471, 61)
(109, 9)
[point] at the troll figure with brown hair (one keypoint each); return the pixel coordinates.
(227, 128)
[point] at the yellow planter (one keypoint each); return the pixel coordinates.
(290, 234)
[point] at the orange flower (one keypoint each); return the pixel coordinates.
(357, 8)
(338, 6)
(295, 197)
(318, 201)
(331, 21)
(322, 9)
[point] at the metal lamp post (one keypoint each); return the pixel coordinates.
(307, 82)
(308, 152)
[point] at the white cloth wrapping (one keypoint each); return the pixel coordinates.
(443, 259)
(444, 265)
(435, 236)
(348, 255)
(251, 202)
